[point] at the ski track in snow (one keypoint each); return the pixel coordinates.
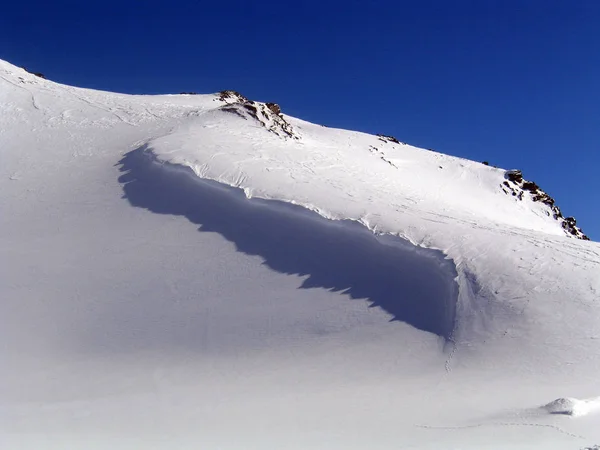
(562, 406)
(503, 424)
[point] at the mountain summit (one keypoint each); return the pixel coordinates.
(205, 271)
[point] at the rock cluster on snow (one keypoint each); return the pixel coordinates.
(518, 187)
(232, 96)
(384, 138)
(267, 114)
(37, 74)
(274, 107)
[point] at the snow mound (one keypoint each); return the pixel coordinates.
(414, 285)
(572, 407)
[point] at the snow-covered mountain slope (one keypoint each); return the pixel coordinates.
(344, 291)
(302, 159)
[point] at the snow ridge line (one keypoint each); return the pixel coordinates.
(396, 263)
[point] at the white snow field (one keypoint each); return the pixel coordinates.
(203, 272)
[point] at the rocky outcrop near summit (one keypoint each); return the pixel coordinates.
(266, 114)
(515, 185)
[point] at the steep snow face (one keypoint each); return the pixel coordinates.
(414, 285)
(306, 160)
(464, 208)
(188, 271)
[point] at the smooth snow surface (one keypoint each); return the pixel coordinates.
(198, 271)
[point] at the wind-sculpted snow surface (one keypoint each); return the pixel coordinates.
(412, 284)
(432, 200)
(204, 271)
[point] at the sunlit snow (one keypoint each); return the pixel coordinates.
(201, 271)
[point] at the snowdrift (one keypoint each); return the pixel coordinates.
(413, 284)
(208, 272)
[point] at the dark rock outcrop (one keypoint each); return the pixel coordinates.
(232, 96)
(384, 138)
(37, 74)
(274, 107)
(267, 114)
(515, 185)
(514, 175)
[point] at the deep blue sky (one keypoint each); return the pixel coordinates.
(516, 83)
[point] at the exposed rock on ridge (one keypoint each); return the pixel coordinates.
(520, 188)
(267, 114)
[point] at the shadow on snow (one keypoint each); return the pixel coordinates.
(413, 284)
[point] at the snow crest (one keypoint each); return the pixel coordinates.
(413, 284)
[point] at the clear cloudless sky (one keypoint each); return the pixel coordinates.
(512, 82)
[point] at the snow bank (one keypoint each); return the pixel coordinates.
(413, 284)
(572, 406)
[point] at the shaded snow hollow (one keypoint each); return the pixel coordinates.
(413, 284)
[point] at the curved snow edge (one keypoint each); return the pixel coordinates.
(429, 275)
